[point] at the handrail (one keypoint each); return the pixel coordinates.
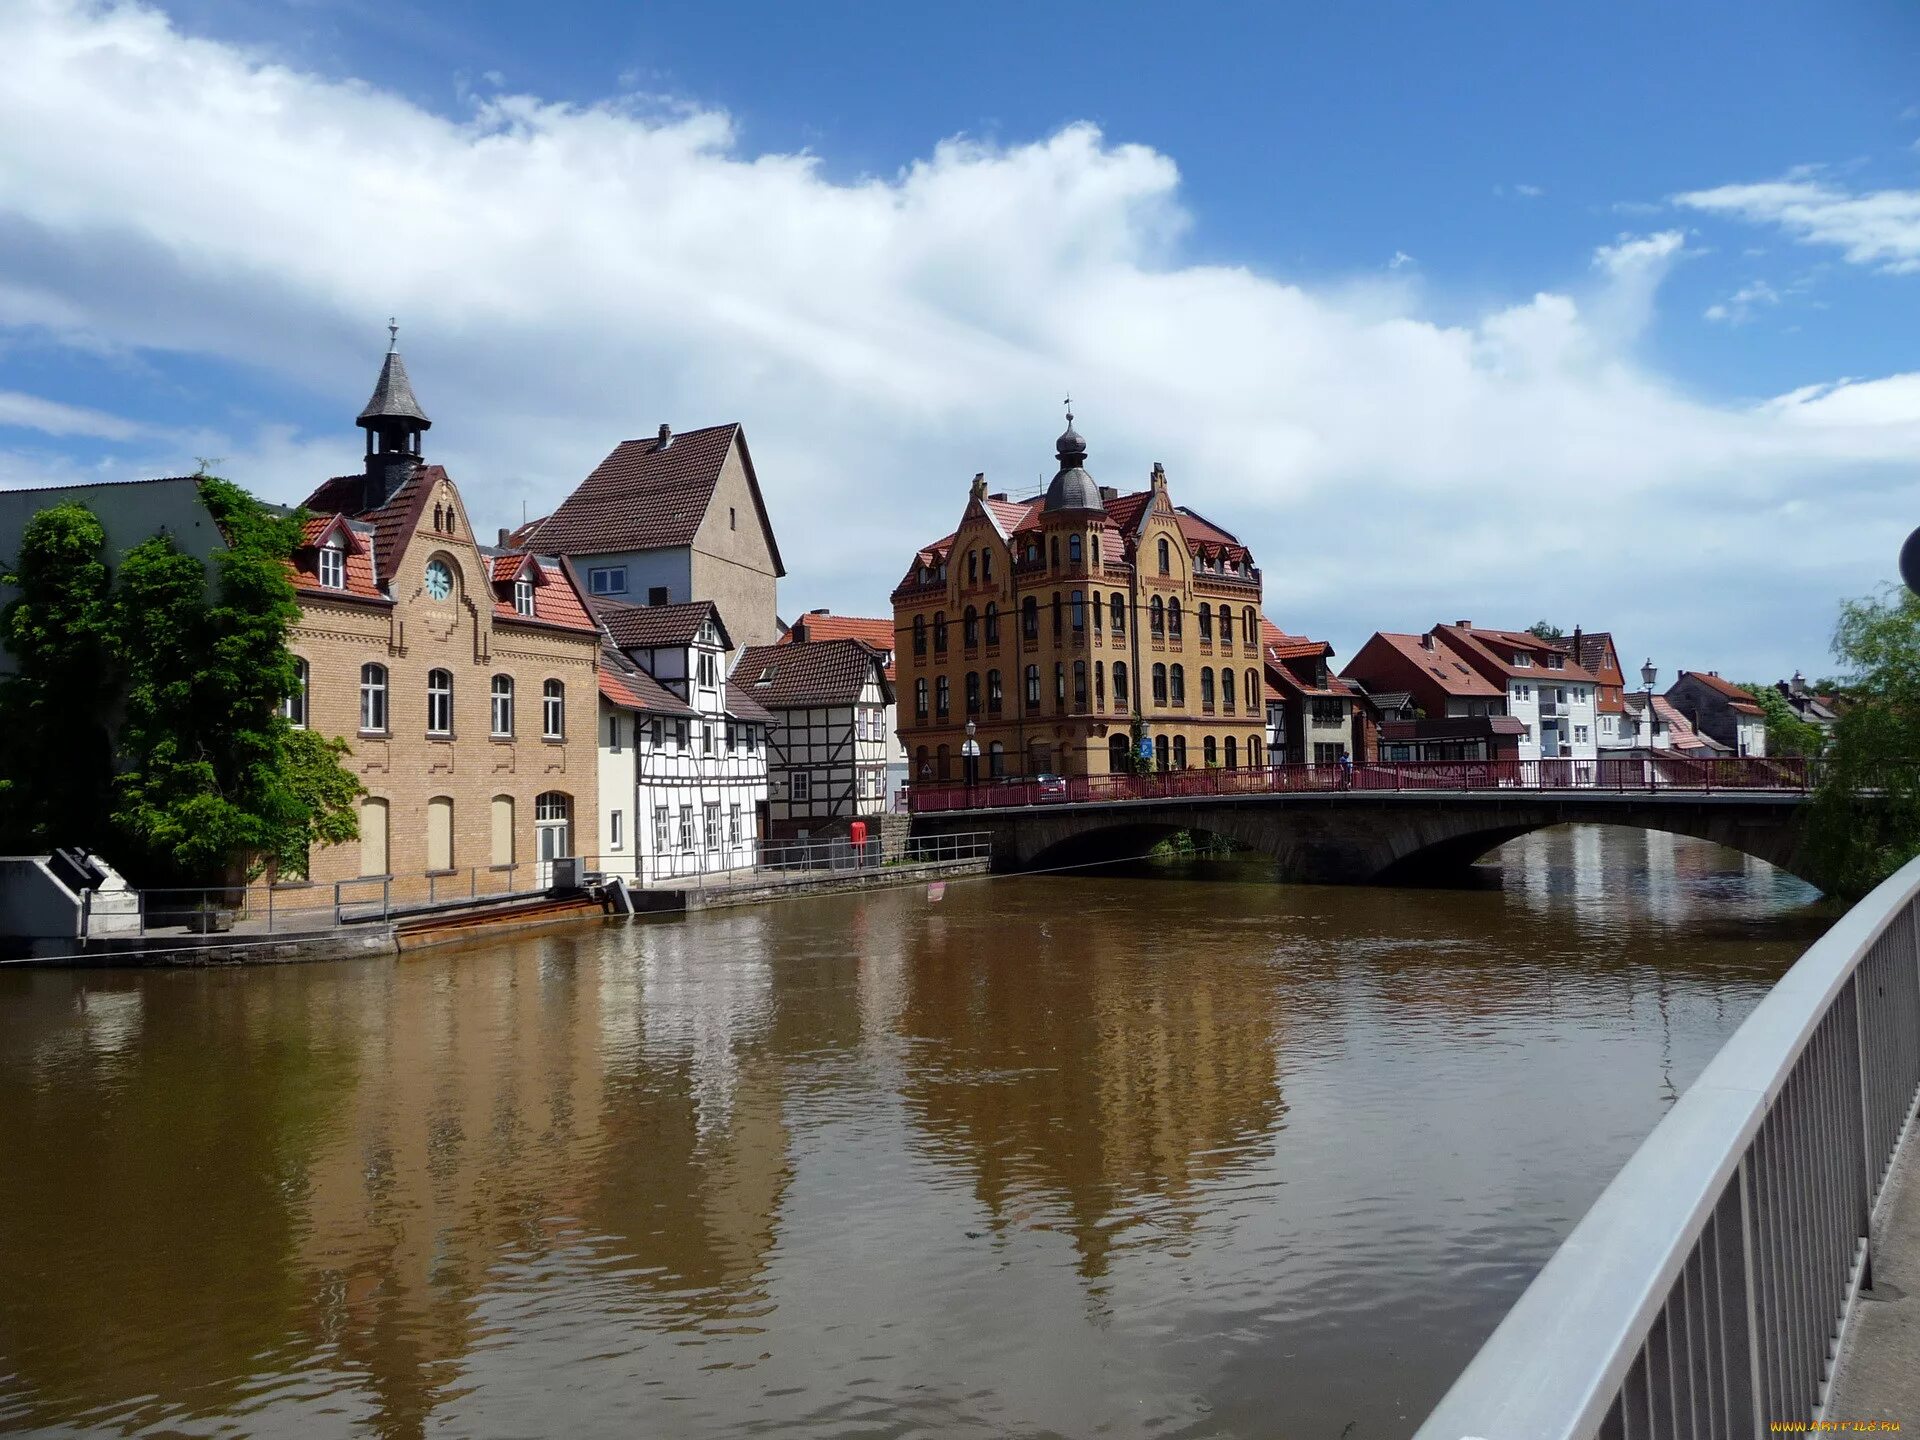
(1706, 1290)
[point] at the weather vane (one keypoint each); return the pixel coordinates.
(393, 334)
(1069, 404)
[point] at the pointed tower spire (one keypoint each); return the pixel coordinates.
(394, 423)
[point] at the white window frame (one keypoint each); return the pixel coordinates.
(686, 830)
(661, 824)
(802, 787)
(439, 703)
(553, 710)
(500, 707)
(614, 839)
(294, 706)
(333, 566)
(710, 818)
(523, 597)
(373, 697)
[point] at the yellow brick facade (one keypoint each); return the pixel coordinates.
(490, 784)
(1060, 661)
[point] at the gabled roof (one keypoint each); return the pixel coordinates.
(871, 631)
(626, 685)
(1710, 681)
(362, 583)
(557, 600)
(316, 530)
(818, 672)
(658, 627)
(1492, 651)
(1439, 666)
(742, 706)
(647, 494)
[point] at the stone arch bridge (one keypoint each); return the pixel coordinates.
(1370, 836)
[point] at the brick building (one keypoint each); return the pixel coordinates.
(1058, 625)
(462, 675)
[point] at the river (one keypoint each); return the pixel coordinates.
(1165, 1152)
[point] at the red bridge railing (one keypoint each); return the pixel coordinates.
(1606, 774)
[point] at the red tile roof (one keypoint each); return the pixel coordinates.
(555, 600)
(1723, 687)
(657, 627)
(1441, 667)
(361, 582)
(1493, 651)
(869, 631)
(818, 672)
(626, 685)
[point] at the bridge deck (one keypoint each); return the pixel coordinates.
(1877, 1376)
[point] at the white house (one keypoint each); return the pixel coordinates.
(1547, 690)
(683, 755)
(829, 740)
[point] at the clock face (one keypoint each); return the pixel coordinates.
(439, 579)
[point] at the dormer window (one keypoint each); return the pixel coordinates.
(1522, 660)
(523, 596)
(1556, 662)
(333, 566)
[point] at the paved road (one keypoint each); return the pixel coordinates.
(1878, 1373)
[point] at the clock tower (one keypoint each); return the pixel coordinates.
(394, 423)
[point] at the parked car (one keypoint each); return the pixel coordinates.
(1051, 786)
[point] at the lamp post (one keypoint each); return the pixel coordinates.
(1647, 675)
(970, 761)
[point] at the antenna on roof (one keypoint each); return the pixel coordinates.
(393, 334)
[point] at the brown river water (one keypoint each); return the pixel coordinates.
(1168, 1152)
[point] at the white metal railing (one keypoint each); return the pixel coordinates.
(798, 862)
(1706, 1291)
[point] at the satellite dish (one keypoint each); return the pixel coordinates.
(1910, 562)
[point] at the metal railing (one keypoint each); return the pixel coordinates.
(1618, 774)
(789, 862)
(1707, 1290)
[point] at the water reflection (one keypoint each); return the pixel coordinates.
(1113, 1152)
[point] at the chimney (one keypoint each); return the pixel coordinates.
(506, 538)
(1463, 624)
(666, 437)
(1426, 641)
(1159, 478)
(1797, 685)
(998, 495)
(823, 610)
(1576, 639)
(1109, 494)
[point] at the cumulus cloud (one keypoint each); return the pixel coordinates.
(571, 275)
(1880, 228)
(50, 417)
(1738, 307)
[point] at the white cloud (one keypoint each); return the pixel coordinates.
(1879, 228)
(1400, 260)
(570, 276)
(50, 417)
(1531, 192)
(1738, 307)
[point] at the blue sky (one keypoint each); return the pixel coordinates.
(1597, 313)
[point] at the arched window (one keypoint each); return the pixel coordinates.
(939, 632)
(1030, 618)
(1098, 612)
(994, 697)
(970, 627)
(502, 818)
(1159, 684)
(943, 697)
(1179, 752)
(373, 702)
(1073, 549)
(1206, 623)
(1117, 755)
(1160, 752)
(1210, 752)
(552, 831)
(373, 836)
(1178, 676)
(1099, 683)
(973, 692)
(1054, 551)
(1078, 608)
(1059, 685)
(439, 702)
(1233, 757)
(1253, 752)
(1056, 614)
(1226, 691)
(1120, 683)
(1033, 687)
(1079, 685)
(1157, 617)
(993, 623)
(1173, 618)
(294, 707)
(503, 705)
(1252, 626)
(1252, 692)
(553, 710)
(1118, 613)
(943, 763)
(919, 634)
(1206, 687)
(1166, 557)
(920, 699)
(973, 567)
(440, 833)
(922, 765)
(986, 566)
(997, 760)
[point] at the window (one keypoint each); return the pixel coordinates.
(1329, 712)
(973, 567)
(686, 830)
(1079, 684)
(660, 820)
(502, 829)
(1178, 676)
(1206, 689)
(920, 699)
(986, 566)
(656, 595)
(680, 735)
(1099, 613)
(993, 623)
(943, 695)
(373, 699)
(439, 702)
(613, 733)
(973, 692)
(1055, 548)
(553, 710)
(993, 692)
(1206, 624)
(1226, 691)
(333, 566)
(1521, 660)
(750, 734)
(1325, 753)
(1078, 608)
(1210, 752)
(1252, 692)
(1120, 683)
(997, 760)
(373, 836)
(1556, 662)
(1179, 752)
(611, 580)
(615, 834)
(1118, 614)
(919, 634)
(802, 786)
(733, 825)
(939, 632)
(1166, 557)
(1033, 687)
(1173, 618)
(1233, 753)
(1073, 549)
(706, 738)
(1157, 615)
(943, 763)
(1030, 618)
(710, 817)
(1253, 752)
(659, 735)
(1117, 755)
(294, 707)
(503, 705)
(1056, 614)
(1160, 751)
(733, 522)
(1159, 684)
(440, 833)
(523, 597)
(970, 627)
(1099, 682)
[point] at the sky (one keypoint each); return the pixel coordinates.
(1604, 315)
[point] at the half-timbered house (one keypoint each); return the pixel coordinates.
(828, 741)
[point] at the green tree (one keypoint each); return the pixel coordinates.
(1546, 631)
(1865, 819)
(1787, 733)
(57, 764)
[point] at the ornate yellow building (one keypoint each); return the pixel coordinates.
(1071, 628)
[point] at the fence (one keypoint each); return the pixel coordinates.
(1657, 773)
(1706, 1291)
(797, 862)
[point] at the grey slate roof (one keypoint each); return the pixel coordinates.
(657, 627)
(818, 672)
(393, 395)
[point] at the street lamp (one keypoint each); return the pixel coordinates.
(1647, 674)
(970, 760)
